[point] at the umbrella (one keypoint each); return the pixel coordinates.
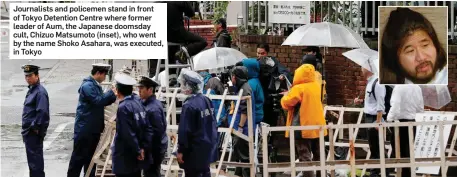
(435, 96)
(366, 58)
(325, 34)
(217, 57)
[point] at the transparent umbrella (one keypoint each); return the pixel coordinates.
(366, 58)
(325, 34)
(217, 57)
(435, 96)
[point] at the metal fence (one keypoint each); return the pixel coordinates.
(361, 16)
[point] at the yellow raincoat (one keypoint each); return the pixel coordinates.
(319, 81)
(305, 90)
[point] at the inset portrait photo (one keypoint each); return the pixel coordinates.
(413, 45)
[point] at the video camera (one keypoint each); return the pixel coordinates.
(225, 75)
(276, 101)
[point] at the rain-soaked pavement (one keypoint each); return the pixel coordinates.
(61, 78)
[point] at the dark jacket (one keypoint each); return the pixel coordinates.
(243, 108)
(35, 114)
(91, 107)
(197, 133)
(175, 10)
(132, 128)
(223, 39)
(156, 116)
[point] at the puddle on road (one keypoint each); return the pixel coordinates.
(11, 133)
(66, 114)
(7, 92)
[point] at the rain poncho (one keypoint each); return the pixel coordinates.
(306, 92)
(253, 74)
(190, 81)
(406, 102)
(311, 59)
(216, 88)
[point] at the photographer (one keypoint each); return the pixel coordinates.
(239, 78)
(271, 73)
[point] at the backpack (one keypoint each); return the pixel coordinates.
(386, 98)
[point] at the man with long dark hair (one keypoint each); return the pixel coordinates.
(411, 50)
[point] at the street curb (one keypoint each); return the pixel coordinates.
(51, 71)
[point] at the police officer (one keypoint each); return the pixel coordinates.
(35, 120)
(156, 116)
(89, 123)
(197, 132)
(131, 137)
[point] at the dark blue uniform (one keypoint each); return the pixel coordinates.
(35, 117)
(197, 136)
(89, 124)
(158, 148)
(132, 134)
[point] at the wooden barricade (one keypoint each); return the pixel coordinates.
(101, 160)
(351, 162)
(173, 128)
(102, 156)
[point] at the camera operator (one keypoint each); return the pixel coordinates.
(262, 51)
(271, 73)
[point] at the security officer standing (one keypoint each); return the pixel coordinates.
(156, 116)
(35, 120)
(131, 137)
(197, 132)
(89, 123)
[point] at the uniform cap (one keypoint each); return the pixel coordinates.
(124, 79)
(30, 69)
(190, 76)
(101, 66)
(126, 70)
(147, 82)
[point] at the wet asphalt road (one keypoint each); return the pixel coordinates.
(62, 79)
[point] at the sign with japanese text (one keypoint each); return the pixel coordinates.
(293, 12)
(427, 140)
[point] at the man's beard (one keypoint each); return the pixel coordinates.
(415, 79)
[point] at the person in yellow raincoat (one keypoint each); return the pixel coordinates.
(311, 59)
(304, 107)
